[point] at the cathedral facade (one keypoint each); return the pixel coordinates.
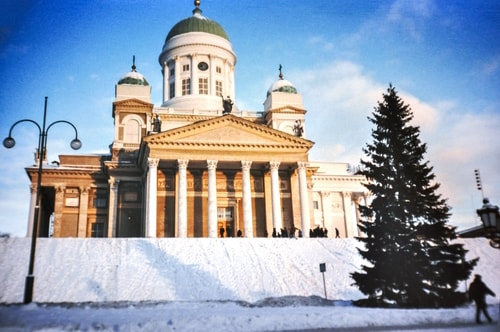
(196, 165)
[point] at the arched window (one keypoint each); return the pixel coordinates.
(132, 131)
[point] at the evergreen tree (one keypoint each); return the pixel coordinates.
(407, 241)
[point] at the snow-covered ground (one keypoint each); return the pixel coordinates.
(207, 284)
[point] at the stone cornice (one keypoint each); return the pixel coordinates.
(336, 178)
(192, 118)
(65, 174)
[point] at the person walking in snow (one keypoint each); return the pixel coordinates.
(477, 292)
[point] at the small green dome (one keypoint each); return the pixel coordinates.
(197, 23)
(133, 77)
(282, 85)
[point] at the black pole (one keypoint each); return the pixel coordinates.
(324, 284)
(30, 278)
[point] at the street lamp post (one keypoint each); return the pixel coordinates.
(490, 218)
(9, 142)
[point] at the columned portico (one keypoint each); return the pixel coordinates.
(212, 198)
(151, 197)
(227, 174)
(275, 194)
(182, 199)
(247, 199)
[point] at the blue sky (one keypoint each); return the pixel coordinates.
(442, 56)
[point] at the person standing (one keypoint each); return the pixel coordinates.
(477, 292)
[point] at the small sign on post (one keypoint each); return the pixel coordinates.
(322, 269)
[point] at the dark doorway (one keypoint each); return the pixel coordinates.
(48, 195)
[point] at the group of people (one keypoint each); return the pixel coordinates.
(222, 231)
(293, 232)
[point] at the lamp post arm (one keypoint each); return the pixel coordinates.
(25, 120)
(62, 121)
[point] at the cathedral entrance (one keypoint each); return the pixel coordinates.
(225, 221)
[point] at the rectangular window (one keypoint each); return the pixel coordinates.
(185, 67)
(72, 201)
(218, 88)
(283, 185)
(186, 86)
(97, 229)
(315, 205)
(218, 70)
(172, 72)
(130, 196)
(203, 86)
(172, 90)
(225, 213)
(100, 202)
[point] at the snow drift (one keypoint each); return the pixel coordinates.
(201, 269)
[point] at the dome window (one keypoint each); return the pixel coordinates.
(202, 66)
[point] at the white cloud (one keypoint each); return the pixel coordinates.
(425, 115)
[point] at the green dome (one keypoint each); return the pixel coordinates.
(197, 23)
(133, 78)
(282, 85)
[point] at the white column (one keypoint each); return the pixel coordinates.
(247, 199)
(166, 83)
(304, 199)
(58, 210)
(324, 212)
(31, 214)
(194, 75)
(177, 75)
(275, 194)
(355, 215)
(225, 91)
(349, 230)
(151, 200)
(113, 206)
(182, 199)
(211, 69)
(212, 198)
(83, 211)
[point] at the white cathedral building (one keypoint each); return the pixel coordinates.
(197, 166)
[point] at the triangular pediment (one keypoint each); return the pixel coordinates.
(226, 137)
(288, 109)
(226, 130)
(131, 102)
(132, 105)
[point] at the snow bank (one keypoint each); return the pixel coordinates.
(233, 269)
